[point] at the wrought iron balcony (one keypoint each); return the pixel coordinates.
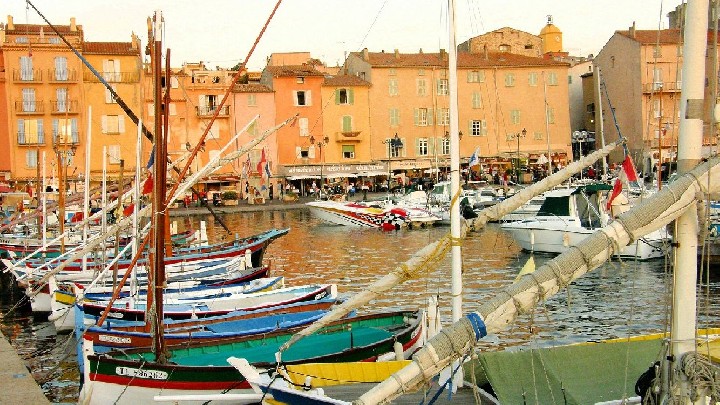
(30, 139)
(63, 75)
(29, 107)
(112, 77)
(209, 111)
(63, 106)
(29, 76)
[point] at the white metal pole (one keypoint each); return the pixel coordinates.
(86, 195)
(689, 154)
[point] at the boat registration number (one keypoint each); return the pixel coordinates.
(114, 339)
(139, 373)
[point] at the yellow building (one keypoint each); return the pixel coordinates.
(551, 37)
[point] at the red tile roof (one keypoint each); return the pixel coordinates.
(465, 60)
(345, 80)
(293, 70)
(651, 37)
(34, 29)
(110, 48)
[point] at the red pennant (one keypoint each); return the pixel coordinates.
(148, 185)
(129, 210)
(617, 189)
(629, 169)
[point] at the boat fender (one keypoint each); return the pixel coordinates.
(399, 353)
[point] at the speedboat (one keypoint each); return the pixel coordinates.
(377, 214)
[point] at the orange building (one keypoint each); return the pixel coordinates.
(500, 96)
(46, 92)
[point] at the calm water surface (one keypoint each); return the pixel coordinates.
(616, 300)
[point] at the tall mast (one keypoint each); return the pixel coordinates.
(689, 154)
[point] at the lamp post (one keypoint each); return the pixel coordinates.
(323, 142)
(63, 158)
(394, 144)
(519, 135)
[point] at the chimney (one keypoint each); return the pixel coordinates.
(10, 24)
(134, 41)
(632, 30)
(443, 54)
(365, 54)
(397, 54)
(485, 51)
(73, 26)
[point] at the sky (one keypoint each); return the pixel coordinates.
(222, 32)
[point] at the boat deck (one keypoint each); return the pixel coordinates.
(464, 395)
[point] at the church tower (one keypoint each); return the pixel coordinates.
(551, 37)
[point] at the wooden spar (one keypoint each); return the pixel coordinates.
(119, 210)
(166, 128)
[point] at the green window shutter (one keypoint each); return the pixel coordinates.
(337, 96)
(430, 116)
(351, 96)
(470, 127)
(432, 146)
(417, 116)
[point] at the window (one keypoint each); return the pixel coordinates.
(442, 87)
(394, 150)
(510, 136)
(348, 151)
(109, 99)
(31, 159)
(111, 70)
(302, 98)
(214, 132)
(113, 124)
(61, 95)
(515, 116)
(174, 83)
(533, 79)
(344, 96)
(476, 76)
(678, 79)
(394, 117)
(476, 100)
(172, 109)
(347, 123)
(421, 72)
(657, 79)
(423, 117)
(26, 68)
(504, 48)
(61, 68)
(207, 104)
(303, 125)
(393, 87)
(538, 136)
(54, 40)
(444, 146)
(509, 79)
(392, 72)
(300, 80)
(443, 117)
(30, 132)
(421, 147)
(550, 115)
(252, 100)
(656, 109)
(21, 40)
(478, 128)
(552, 79)
(28, 96)
(657, 52)
(65, 130)
(114, 155)
(421, 85)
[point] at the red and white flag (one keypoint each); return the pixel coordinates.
(629, 169)
(617, 189)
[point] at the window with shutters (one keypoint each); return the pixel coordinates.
(61, 100)
(348, 151)
(113, 124)
(444, 146)
(478, 128)
(509, 79)
(303, 125)
(550, 115)
(347, 123)
(301, 98)
(393, 87)
(422, 148)
(29, 104)
(65, 130)
(114, 155)
(421, 117)
(421, 85)
(443, 117)
(109, 99)
(30, 132)
(515, 116)
(26, 68)
(394, 117)
(344, 96)
(476, 100)
(442, 87)
(252, 100)
(31, 159)
(533, 79)
(111, 70)
(538, 136)
(61, 68)
(475, 76)
(552, 79)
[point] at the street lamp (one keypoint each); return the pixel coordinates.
(394, 143)
(323, 142)
(63, 157)
(519, 135)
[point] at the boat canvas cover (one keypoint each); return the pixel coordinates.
(574, 374)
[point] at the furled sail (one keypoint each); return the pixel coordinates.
(522, 296)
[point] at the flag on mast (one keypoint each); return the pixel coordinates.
(475, 158)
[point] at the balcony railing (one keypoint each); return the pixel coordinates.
(29, 107)
(112, 77)
(63, 76)
(210, 111)
(67, 139)
(348, 136)
(30, 139)
(64, 107)
(33, 76)
(656, 87)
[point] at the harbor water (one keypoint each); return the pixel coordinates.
(618, 299)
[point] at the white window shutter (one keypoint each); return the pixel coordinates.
(104, 123)
(308, 97)
(311, 152)
(298, 152)
(121, 124)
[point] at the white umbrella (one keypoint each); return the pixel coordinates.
(542, 159)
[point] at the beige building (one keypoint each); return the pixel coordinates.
(504, 40)
(642, 71)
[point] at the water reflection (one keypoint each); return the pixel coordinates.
(617, 300)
